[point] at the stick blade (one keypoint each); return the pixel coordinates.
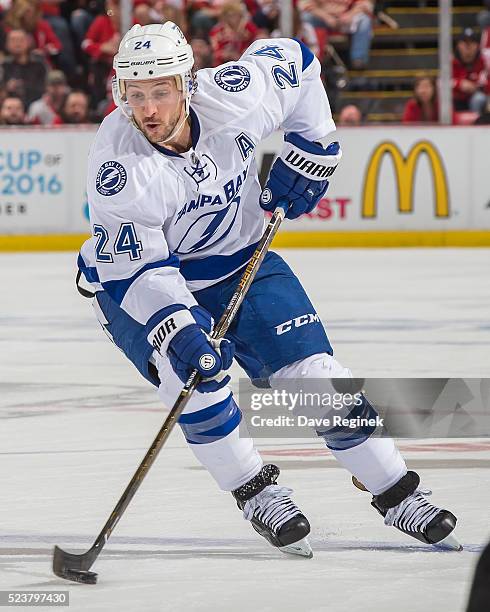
(74, 567)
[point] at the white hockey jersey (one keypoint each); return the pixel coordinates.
(166, 224)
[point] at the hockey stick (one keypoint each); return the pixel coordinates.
(76, 567)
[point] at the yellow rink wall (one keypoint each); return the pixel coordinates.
(395, 186)
(295, 240)
(383, 239)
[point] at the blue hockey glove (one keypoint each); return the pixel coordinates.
(299, 175)
(192, 349)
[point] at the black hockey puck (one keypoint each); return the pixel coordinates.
(80, 576)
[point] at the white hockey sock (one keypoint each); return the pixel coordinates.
(377, 463)
(232, 461)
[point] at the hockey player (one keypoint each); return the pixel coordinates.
(175, 207)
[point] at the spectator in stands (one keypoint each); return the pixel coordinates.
(76, 108)
(469, 74)
(233, 33)
(26, 15)
(52, 14)
(12, 111)
(82, 16)
(143, 12)
(101, 44)
(313, 38)
(203, 55)
(24, 73)
(423, 107)
(203, 16)
(352, 17)
(266, 16)
(350, 115)
(46, 110)
(170, 10)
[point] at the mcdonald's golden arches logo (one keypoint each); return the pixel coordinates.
(405, 168)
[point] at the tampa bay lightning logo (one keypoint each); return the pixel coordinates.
(111, 178)
(209, 229)
(233, 78)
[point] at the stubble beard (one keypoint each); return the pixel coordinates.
(158, 137)
(164, 131)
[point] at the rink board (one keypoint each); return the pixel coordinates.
(395, 186)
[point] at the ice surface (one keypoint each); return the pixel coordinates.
(76, 420)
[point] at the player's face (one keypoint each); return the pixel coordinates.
(157, 106)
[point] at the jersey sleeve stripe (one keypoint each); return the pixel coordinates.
(117, 289)
(90, 273)
(216, 266)
(306, 54)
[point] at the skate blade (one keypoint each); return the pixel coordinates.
(449, 543)
(301, 548)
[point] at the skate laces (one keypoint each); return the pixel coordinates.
(414, 513)
(272, 506)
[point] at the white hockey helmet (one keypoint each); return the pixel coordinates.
(152, 52)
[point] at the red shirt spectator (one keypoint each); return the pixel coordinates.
(102, 39)
(101, 43)
(25, 15)
(101, 32)
(45, 38)
(414, 113)
(423, 107)
(233, 33)
(469, 73)
(352, 17)
(473, 72)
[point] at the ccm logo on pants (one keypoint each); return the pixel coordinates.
(297, 322)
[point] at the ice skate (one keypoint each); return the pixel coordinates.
(405, 507)
(273, 514)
